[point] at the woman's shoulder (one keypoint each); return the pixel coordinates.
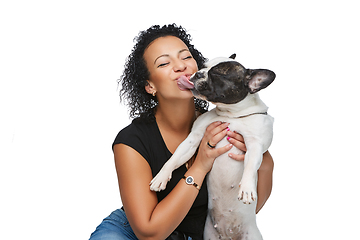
(136, 132)
(137, 135)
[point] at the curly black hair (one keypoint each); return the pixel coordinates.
(135, 75)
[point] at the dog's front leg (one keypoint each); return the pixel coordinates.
(182, 154)
(248, 184)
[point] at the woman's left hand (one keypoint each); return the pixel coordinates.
(238, 141)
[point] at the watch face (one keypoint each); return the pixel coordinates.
(189, 180)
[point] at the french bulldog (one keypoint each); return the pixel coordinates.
(232, 185)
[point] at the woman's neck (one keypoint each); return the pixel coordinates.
(178, 116)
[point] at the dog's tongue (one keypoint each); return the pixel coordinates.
(184, 83)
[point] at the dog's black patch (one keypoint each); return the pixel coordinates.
(199, 75)
(227, 80)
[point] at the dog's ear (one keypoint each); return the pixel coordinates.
(233, 56)
(257, 79)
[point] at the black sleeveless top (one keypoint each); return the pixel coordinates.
(145, 137)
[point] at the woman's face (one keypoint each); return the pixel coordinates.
(168, 58)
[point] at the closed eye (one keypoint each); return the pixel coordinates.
(163, 65)
(167, 63)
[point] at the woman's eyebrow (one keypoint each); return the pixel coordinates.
(163, 55)
(167, 55)
(183, 50)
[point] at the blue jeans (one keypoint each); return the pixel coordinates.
(115, 227)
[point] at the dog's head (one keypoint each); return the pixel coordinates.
(224, 80)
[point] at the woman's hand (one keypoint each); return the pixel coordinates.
(237, 140)
(207, 151)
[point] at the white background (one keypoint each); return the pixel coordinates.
(60, 110)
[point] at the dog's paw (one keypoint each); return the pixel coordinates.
(247, 192)
(158, 183)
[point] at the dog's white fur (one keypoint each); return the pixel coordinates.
(229, 181)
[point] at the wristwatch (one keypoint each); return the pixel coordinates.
(190, 181)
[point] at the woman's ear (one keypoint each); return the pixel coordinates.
(150, 88)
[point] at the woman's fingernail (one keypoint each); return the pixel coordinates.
(228, 138)
(228, 128)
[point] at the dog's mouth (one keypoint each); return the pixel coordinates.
(184, 83)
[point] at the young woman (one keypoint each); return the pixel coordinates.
(163, 115)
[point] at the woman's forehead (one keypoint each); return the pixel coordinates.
(164, 46)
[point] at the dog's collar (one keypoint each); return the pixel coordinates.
(264, 113)
(237, 115)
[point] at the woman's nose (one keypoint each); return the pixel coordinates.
(179, 66)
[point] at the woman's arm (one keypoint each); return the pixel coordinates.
(265, 171)
(265, 174)
(148, 218)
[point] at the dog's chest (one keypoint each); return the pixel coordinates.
(226, 169)
(224, 178)
(230, 216)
